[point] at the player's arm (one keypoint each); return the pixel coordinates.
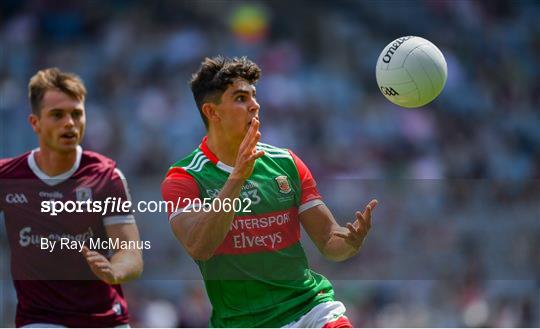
(203, 232)
(125, 264)
(333, 241)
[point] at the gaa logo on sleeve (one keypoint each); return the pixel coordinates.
(283, 184)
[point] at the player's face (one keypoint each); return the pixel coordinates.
(60, 125)
(238, 106)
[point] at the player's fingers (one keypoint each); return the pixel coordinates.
(249, 148)
(255, 123)
(360, 218)
(94, 265)
(89, 253)
(368, 217)
(104, 267)
(247, 137)
(92, 254)
(251, 133)
(92, 257)
(95, 259)
(253, 142)
(373, 203)
(362, 229)
(341, 235)
(341, 231)
(353, 230)
(368, 211)
(100, 266)
(89, 256)
(256, 155)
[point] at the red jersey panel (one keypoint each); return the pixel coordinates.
(58, 286)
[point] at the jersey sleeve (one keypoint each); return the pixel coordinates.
(180, 191)
(309, 196)
(118, 188)
(2, 183)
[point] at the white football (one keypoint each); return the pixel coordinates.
(411, 71)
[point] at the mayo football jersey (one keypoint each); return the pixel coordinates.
(259, 276)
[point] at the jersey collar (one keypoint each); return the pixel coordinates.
(212, 157)
(53, 180)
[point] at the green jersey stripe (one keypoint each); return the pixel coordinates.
(200, 166)
(275, 154)
(195, 158)
(197, 163)
(269, 146)
(279, 156)
(272, 152)
(272, 149)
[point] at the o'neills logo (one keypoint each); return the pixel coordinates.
(51, 195)
(388, 56)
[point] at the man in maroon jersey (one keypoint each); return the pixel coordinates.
(75, 287)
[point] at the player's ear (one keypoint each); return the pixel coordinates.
(34, 122)
(210, 111)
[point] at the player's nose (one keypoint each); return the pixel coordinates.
(254, 107)
(69, 122)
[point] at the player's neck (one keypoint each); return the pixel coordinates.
(54, 163)
(224, 149)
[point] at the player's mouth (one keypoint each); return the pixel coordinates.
(69, 136)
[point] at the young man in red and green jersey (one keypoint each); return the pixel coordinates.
(254, 267)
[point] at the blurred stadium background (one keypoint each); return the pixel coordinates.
(456, 239)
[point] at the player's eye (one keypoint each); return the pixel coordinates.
(240, 98)
(76, 114)
(57, 114)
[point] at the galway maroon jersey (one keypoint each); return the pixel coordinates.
(58, 287)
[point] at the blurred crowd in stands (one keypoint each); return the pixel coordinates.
(460, 176)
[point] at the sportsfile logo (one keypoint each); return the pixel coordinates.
(16, 198)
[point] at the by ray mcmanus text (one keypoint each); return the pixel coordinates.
(93, 244)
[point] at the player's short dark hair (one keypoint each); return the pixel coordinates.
(215, 75)
(54, 79)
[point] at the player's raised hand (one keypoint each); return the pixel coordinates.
(99, 265)
(247, 152)
(355, 233)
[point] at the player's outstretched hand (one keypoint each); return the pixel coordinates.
(99, 265)
(355, 233)
(247, 153)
